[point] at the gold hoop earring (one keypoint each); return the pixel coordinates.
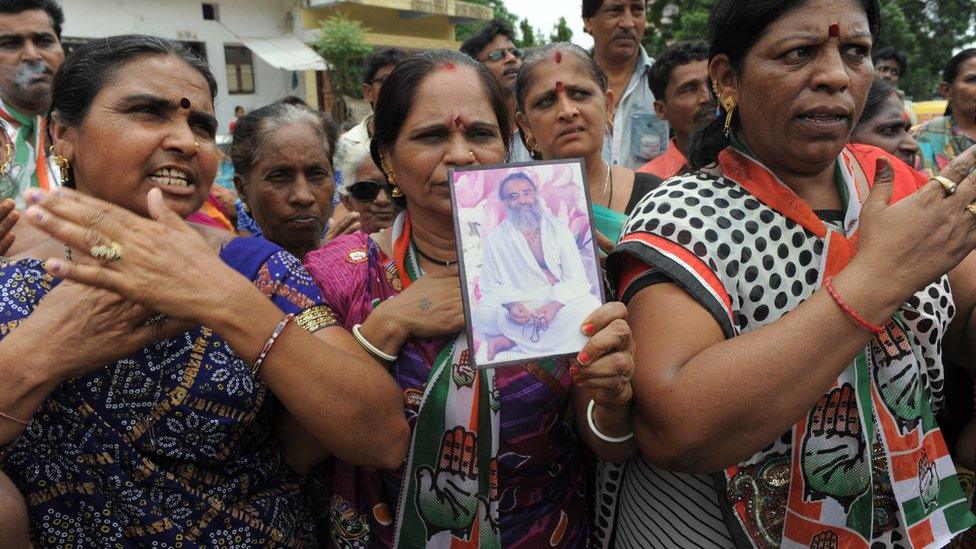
(610, 127)
(530, 143)
(729, 105)
(64, 165)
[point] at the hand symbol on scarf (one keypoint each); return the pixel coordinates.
(928, 482)
(834, 460)
(824, 540)
(447, 498)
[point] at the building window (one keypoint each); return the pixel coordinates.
(240, 69)
(211, 12)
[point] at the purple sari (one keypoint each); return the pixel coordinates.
(540, 470)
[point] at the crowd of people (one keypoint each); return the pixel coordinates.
(280, 359)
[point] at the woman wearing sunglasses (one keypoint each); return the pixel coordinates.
(367, 193)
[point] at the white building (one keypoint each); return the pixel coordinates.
(227, 34)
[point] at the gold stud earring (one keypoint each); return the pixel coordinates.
(729, 105)
(64, 165)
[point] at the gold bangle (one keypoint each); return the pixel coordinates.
(316, 318)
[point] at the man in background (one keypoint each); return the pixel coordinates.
(892, 65)
(30, 54)
(679, 81)
(492, 46)
(617, 27)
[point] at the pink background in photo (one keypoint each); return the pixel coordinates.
(480, 210)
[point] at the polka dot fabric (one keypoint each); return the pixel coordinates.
(748, 265)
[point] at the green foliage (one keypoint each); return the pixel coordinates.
(927, 31)
(527, 37)
(343, 46)
(561, 32)
(464, 31)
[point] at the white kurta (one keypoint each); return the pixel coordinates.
(511, 274)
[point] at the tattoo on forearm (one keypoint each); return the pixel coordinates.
(424, 304)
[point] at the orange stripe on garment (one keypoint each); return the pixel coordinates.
(43, 179)
(632, 270)
(400, 249)
(802, 530)
(760, 183)
(688, 259)
(905, 466)
(921, 534)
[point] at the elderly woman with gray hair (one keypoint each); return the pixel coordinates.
(283, 174)
(365, 193)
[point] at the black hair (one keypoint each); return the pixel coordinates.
(880, 90)
(590, 7)
(252, 132)
(890, 53)
(531, 62)
(512, 177)
(94, 65)
(951, 71)
(399, 94)
(379, 59)
(50, 7)
(735, 27)
(479, 40)
(680, 53)
(529, 66)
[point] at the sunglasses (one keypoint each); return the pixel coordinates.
(498, 55)
(367, 191)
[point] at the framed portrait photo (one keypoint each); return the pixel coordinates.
(530, 274)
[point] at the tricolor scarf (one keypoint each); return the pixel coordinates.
(449, 494)
(31, 159)
(867, 462)
(830, 498)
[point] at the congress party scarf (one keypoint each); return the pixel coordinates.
(449, 495)
(30, 128)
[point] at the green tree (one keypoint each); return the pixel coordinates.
(561, 32)
(527, 37)
(464, 31)
(343, 46)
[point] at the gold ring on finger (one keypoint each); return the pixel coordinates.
(112, 252)
(971, 208)
(948, 185)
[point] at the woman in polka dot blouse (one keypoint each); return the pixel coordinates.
(793, 307)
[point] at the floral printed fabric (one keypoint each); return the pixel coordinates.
(173, 446)
(939, 141)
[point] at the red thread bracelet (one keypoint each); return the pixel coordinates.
(849, 311)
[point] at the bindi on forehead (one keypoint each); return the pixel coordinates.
(185, 103)
(558, 56)
(458, 122)
(833, 31)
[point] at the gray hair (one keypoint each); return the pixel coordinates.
(253, 130)
(348, 159)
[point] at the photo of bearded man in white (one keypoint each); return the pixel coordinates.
(534, 290)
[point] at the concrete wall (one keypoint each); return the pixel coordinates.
(183, 20)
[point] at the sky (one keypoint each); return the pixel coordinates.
(543, 15)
